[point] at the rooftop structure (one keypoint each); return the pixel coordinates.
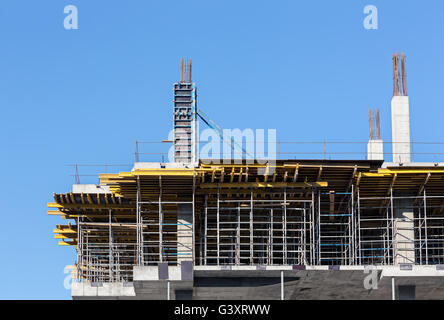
(291, 229)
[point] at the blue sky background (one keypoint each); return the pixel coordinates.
(307, 68)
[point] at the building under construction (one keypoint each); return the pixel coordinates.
(286, 229)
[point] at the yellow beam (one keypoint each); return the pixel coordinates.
(90, 206)
(63, 230)
(265, 185)
(55, 213)
(63, 243)
(71, 196)
(153, 172)
(232, 175)
(390, 172)
(296, 173)
(61, 236)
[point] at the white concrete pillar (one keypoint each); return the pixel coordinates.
(375, 150)
(184, 232)
(404, 243)
(401, 129)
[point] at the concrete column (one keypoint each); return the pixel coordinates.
(401, 129)
(184, 232)
(404, 230)
(375, 150)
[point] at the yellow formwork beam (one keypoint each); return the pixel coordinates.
(71, 243)
(390, 172)
(90, 206)
(265, 185)
(152, 172)
(61, 236)
(55, 213)
(63, 230)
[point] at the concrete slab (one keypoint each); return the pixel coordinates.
(249, 283)
(111, 290)
(90, 188)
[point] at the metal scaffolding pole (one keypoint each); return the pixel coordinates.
(110, 234)
(420, 234)
(359, 228)
(425, 226)
(387, 241)
(138, 229)
(88, 267)
(394, 253)
(304, 237)
(284, 225)
(282, 285)
(200, 240)
(205, 228)
(79, 249)
(161, 222)
(251, 227)
(312, 229)
(272, 236)
(349, 226)
(353, 226)
(217, 218)
(193, 220)
(393, 288)
(319, 228)
(238, 235)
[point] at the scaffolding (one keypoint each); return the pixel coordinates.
(305, 213)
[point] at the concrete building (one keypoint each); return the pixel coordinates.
(307, 229)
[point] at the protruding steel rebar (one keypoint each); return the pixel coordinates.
(399, 75)
(181, 69)
(191, 67)
(185, 70)
(374, 124)
(404, 75)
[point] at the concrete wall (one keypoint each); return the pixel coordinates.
(106, 289)
(252, 282)
(401, 129)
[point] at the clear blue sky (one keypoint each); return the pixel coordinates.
(307, 68)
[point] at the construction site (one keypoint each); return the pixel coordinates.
(285, 228)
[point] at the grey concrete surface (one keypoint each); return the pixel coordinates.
(249, 283)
